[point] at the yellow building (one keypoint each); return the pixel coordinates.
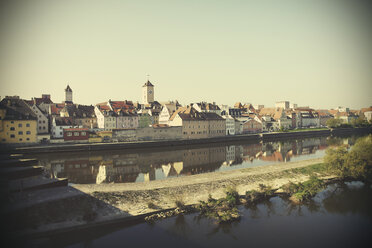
(18, 124)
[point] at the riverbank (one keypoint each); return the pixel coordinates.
(99, 205)
(80, 147)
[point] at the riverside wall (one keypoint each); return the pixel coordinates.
(183, 142)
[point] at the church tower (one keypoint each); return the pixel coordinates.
(68, 95)
(147, 93)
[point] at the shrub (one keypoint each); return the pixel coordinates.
(356, 164)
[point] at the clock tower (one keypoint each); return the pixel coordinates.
(147, 93)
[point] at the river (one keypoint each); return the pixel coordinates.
(339, 216)
(159, 164)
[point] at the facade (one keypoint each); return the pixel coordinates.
(148, 93)
(42, 119)
(81, 115)
(253, 125)
(196, 125)
(307, 117)
(76, 134)
(239, 126)
(282, 104)
(116, 114)
(230, 124)
(18, 124)
(59, 124)
(207, 107)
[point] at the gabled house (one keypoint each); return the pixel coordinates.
(252, 125)
(61, 123)
(18, 123)
(196, 124)
(116, 114)
(207, 107)
(82, 115)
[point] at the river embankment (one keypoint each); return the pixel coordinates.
(84, 147)
(103, 204)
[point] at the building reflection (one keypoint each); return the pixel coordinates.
(149, 166)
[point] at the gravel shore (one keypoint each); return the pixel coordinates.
(135, 198)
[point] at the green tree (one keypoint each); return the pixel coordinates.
(356, 164)
(332, 123)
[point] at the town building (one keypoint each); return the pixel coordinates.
(81, 115)
(76, 134)
(116, 114)
(253, 125)
(148, 94)
(367, 113)
(68, 95)
(18, 123)
(197, 125)
(59, 124)
(282, 104)
(230, 124)
(207, 107)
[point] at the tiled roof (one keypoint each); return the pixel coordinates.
(366, 109)
(64, 121)
(56, 108)
(148, 83)
(68, 88)
(79, 111)
(17, 109)
(189, 113)
(76, 129)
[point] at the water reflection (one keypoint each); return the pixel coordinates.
(120, 167)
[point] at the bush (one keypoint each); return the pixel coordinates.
(355, 164)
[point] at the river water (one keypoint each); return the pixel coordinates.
(148, 165)
(339, 216)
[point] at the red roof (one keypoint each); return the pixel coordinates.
(56, 108)
(76, 129)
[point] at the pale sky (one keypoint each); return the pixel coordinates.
(314, 53)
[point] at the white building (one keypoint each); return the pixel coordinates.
(60, 123)
(106, 118)
(230, 124)
(282, 104)
(116, 114)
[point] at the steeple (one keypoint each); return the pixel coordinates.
(68, 95)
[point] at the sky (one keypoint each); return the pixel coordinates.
(314, 53)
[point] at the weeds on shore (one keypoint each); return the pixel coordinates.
(222, 210)
(303, 191)
(262, 193)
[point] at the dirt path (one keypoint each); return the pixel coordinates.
(134, 198)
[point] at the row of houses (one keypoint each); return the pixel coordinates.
(42, 120)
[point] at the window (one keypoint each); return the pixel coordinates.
(28, 132)
(4, 139)
(12, 136)
(76, 133)
(43, 121)
(20, 139)
(39, 121)
(28, 139)
(60, 133)
(69, 134)
(20, 132)
(20, 125)
(27, 124)
(12, 129)
(83, 133)
(12, 122)
(44, 128)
